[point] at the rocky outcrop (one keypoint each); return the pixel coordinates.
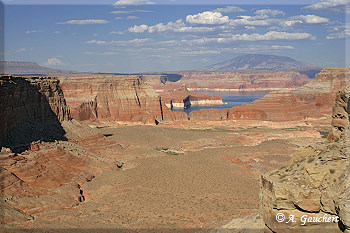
(31, 109)
(312, 100)
(230, 81)
(183, 98)
(102, 98)
(313, 189)
(50, 156)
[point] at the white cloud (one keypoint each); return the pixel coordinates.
(250, 21)
(265, 13)
(116, 32)
(122, 3)
(21, 50)
(54, 62)
(332, 5)
(31, 31)
(312, 19)
(118, 18)
(207, 17)
(132, 17)
(178, 26)
(86, 21)
(121, 12)
(57, 32)
(282, 47)
(339, 35)
(229, 9)
(134, 42)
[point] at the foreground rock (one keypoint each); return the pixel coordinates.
(314, 187)
(103, 98)
(313, 100)
(31, 109)
(48, 156)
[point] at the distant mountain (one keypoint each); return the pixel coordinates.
(261, 62)
(30, 69)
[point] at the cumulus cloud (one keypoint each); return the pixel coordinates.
(178, 26)
(116, 32)
(207, 17)
(229, 9)
(54, 62)
(312, 19)
(86, 21)
(333, 5)
(122, 3)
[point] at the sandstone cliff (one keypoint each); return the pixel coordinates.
(230, 81)
(314, 184)
(31, 109)
(50, 156)
(102, 98)
(312, 100)
(183, 98)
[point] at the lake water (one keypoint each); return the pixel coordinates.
(230, 100)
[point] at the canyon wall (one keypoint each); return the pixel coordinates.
(230, 81)
(183, 98)
(102, 98)
(314, 187)
(31, 109)
(312, 100)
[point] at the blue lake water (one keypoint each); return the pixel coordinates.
(230, 100)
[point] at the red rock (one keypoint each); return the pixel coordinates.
(230, 81)
(312, 100)
(115, 98)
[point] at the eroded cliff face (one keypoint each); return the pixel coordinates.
(31, 108)
(314, 184)
(47, 156)
(115, 98)
(230, 81)
(313, 100)
(183, 98)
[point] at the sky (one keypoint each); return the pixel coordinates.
(130, 36)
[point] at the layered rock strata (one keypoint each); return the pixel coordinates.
(183, 98)
(40, 173)
(31, 108)
(230, 81)
(312, 100)
(105, 98)
(313, 188)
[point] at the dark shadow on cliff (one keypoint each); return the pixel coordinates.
(26, 116)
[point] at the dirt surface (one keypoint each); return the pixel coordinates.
(175, 178)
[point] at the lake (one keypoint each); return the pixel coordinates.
(230, 100)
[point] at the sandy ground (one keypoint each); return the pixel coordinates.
(175, 178)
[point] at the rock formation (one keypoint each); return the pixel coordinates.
(183, 98)
(230, 81)
(47, 156)
(31, 109)
(312, 100)
(314, 187)
(102, 98)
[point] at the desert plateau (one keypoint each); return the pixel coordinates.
(149, 116)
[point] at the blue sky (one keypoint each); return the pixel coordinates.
(130, 36)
